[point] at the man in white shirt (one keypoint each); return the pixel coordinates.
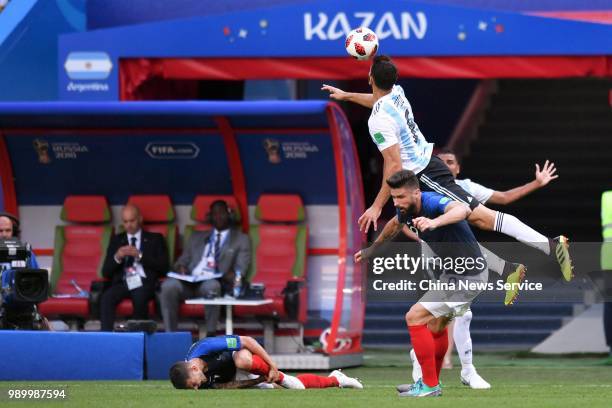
(487, 195)
(214, 257)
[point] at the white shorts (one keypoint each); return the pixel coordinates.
(451, 303)
(448, 309)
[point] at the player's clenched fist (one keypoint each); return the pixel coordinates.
(424, 223)
(358, 257)
(362, 255)
(273, 374)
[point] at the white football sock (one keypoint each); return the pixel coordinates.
(512, 226)
(494, 262)
(463, 340)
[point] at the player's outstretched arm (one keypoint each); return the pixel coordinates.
(392, 164)
(391, 229)
(253, 346)
(233, 385)
(542, 178)
(363, 99)
(453, 213)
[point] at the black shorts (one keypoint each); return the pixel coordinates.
(438, 178)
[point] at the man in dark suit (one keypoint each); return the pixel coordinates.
(135, 259)
(213, 255)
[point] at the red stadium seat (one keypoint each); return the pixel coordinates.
(78, 254)
(126, 308)
(194, 311)
(279, 253)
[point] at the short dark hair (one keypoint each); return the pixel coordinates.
(403, 178)
(384, 72)
(219, 203)
(179, 373)
(14, 220)
(447, 150)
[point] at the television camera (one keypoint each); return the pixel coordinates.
(21, 287)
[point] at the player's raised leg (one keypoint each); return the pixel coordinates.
(437, 177)
(514, 273)
(487, 219)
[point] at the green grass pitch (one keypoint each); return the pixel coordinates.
(516, 383)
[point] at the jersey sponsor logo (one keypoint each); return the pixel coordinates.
(379, 138)
(231, 342)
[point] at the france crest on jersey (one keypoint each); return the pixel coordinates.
(392, 122)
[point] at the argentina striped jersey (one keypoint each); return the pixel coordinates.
(392, 122)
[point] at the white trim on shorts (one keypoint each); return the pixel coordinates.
(442, 190)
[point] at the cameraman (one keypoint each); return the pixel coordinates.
(9, 228)
(18, 316)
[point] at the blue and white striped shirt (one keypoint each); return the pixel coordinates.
(392, 122)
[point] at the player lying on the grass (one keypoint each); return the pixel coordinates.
(403, 146)
(441, 223)
(231, 362)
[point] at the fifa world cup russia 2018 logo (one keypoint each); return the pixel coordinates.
(42, 149)
(273, 149)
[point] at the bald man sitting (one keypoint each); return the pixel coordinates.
(134, 261)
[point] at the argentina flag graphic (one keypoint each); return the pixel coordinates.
(88, 65)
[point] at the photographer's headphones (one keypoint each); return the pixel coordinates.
(14, 220)
(230, 212)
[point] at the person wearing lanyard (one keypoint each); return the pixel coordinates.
(135, 259)
(212, 258)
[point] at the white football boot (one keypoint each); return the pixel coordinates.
(291, 382)
(473, 380)
(345, 381)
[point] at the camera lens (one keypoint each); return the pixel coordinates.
(31, 286)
